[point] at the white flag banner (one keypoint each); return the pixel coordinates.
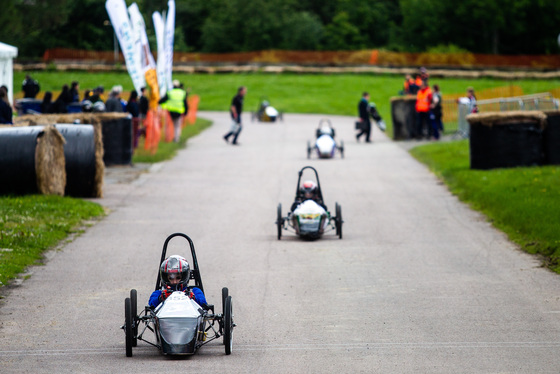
(123, 29)
(161, 59)
(139, 27)
(169, 40)
(137, 24)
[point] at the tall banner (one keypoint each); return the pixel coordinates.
(140, 37)
(119, 19)
(169, 40)
(161, 59)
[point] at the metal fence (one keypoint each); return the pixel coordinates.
(540, 101)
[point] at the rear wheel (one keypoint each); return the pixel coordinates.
(225, 293)
(338, 220)
(279, 221)
(134, 313)
(308, 149)
(228, 325)
(341, 149)
(128, 326)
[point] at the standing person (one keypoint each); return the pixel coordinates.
(113, 103)
(423, 101)
(363, 112)
(61, 103)
(75, 92)
(46, 105)
(30, 87)
(473, 108)
(5, 107)
(175, 101)
(235, 111)
(436, 108)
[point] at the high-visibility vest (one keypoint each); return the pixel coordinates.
(423, 98)
(175, 101)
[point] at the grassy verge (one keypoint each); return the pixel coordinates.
(165, 150)
(522, 202)
(31, 224)
(293, 93)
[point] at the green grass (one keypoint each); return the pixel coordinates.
(165, 150)
(292, 93)
(31, 224)
(522, 202)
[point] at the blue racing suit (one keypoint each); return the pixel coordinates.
(198, 296)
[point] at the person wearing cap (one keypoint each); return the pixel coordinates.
(175, 102)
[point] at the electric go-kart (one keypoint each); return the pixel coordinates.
(266, 113)
(180, 325)
(325, 146)
(309, 217)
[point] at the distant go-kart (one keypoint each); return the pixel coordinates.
(180, 326)
(266, 112)
(309, 218)
(325, 146)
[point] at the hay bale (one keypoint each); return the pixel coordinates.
(50, 165)
(506, 139)
(79, 153)
(403, 115)
(551, 138)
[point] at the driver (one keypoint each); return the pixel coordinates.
(175, 273)
(308, 191)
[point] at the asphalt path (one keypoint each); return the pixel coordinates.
(418, 284)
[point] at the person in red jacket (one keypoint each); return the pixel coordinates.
(423, 102)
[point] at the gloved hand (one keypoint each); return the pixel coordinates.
(164, 294)
(190, 295)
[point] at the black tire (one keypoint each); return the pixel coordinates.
(128, 326)
(341, 149)
(308, 149)
(279, 221)
(225, 294)
(228, 325)
(338, 220)
(280, 116)
(134, 313)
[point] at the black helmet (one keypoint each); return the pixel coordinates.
(175, 273)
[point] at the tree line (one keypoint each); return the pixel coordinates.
(490, 26)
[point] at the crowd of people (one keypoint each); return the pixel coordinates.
(429, 110)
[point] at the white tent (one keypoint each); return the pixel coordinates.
(7, 55)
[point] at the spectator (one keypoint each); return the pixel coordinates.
(410, 87)
(175, 101)
(30, 87)
(47, 104)
(436, 109)
(235, 111)
(97, 94)
(132, 104)
(143, 104)
(5, 107)
(75, 92)
(423, 101)
(365, 123)
(473, 108)
(113, 103)
(62, 101)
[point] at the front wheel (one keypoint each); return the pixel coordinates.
(228, 325)
(279, 221)
(128, 326)
(308, 149)
(341, 149)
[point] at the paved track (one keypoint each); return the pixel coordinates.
(418, 284)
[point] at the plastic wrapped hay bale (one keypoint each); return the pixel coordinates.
(551, 138)
(403, 113)
(32, 161)
(506, 139)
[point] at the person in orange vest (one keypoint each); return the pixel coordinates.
(423, 102)
(410, 87)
